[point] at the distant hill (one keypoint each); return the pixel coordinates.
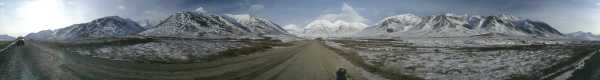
(6, 38)
(580, 35)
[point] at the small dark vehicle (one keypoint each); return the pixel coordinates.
(20, 41)
(341, 74)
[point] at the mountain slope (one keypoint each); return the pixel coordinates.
(449, 25)
(580, 35)
(6, 38)
(342, 24)
(210, 26)
(112, 26)
(327, 28)
(257, 25)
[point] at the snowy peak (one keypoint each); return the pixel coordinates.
(112, 26)
(193, 24)
(257, 25)
(406, 19)
(211, 26)
(449, 25)
(538, 28)
(342, 24)
(293, 29)
(328, 28)
(403, 18)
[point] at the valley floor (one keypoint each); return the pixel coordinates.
(467, 61)
(306, 60)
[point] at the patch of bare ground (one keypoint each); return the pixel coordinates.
(355, 59)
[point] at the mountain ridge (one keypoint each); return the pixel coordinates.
(449, 25)
(6, 38)
(211, 26)
(580, 35)
(110, 26)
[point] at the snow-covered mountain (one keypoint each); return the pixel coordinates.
(582, 35)
(327, 28)
(211, 26)
(112, 26)
(41, 35)
(342, 24)
(6, 38)
(449, 25)
(257, 25)
(293, 29)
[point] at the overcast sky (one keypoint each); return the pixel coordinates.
(19, 17)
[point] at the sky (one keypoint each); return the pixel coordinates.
(20, 17)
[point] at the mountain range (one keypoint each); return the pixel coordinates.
(180, 25)
(449, 25)
(327, 28)
(342, 24)
(580, 35)
(212, 26)
(347, 23)
(6, 38)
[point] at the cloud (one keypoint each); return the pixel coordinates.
(157, 15)
(347, 14)
(200, 9)
(69, 3)
(294, 29)
(1, 4)
(255, 8)
(350, 14)
(597, 4)
(121, 7)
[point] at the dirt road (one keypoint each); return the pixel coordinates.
(307, 60)
(312, 62)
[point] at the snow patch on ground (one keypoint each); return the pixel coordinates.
(164, 50)
(424, 58)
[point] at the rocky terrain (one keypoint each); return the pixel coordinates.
(471, 62)
(164, 50)
(466, 47)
